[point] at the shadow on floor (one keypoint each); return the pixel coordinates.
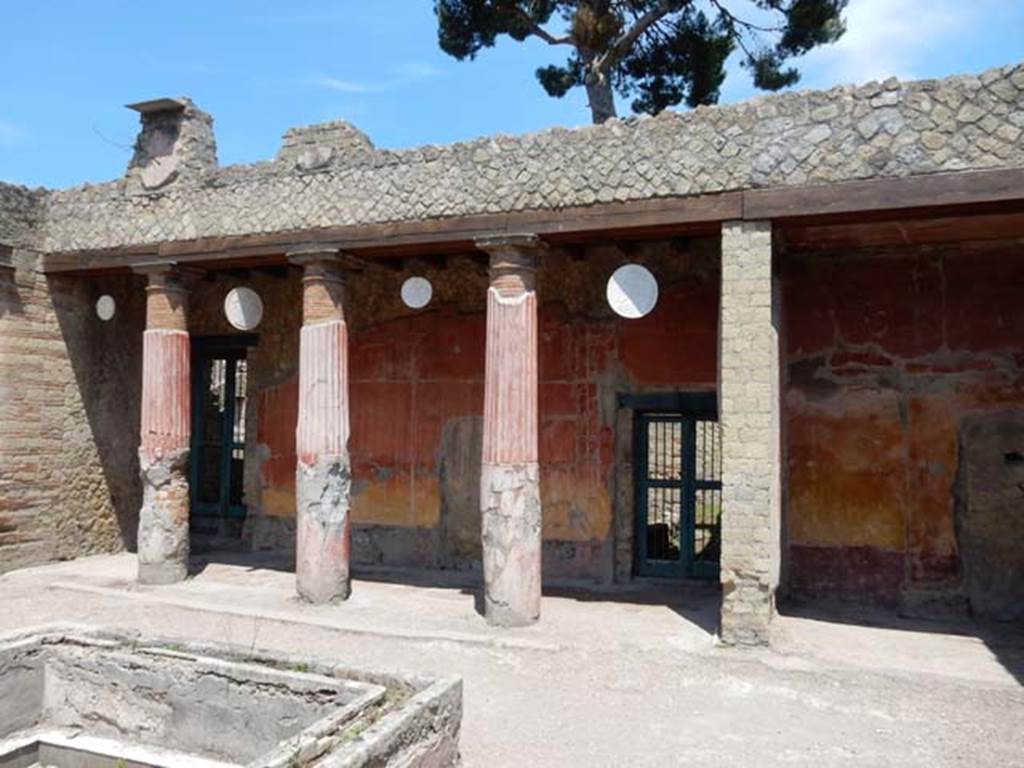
(694, 602)
(250, 561)
(1004, 639)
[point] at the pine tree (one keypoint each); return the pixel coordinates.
(657, 52)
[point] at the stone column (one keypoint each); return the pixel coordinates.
(509, 480)
(165, 428)
(749, 392)
(323, 475)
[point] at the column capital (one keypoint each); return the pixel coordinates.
(510, 244)
(168, 273)
(323, 282)
(513, 260)
(324, 258)
(167, 293)
(508, 240)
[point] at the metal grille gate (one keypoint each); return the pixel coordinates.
(219, 386)
(677, 476)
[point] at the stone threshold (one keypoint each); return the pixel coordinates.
(303, 616)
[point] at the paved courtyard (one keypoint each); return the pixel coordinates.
(618, 678)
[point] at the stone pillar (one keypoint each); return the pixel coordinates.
(509, 480)
(165, 428)
(323, 478)
(749, 392)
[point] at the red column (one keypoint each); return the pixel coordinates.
(323, 475)
(509, 483)
(163, 544)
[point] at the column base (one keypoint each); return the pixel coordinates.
(322, 536)
(162, 573)
(163, 537)
(748, 606)
(511, 526)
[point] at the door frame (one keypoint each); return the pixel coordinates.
(231, 347)
(686, 408)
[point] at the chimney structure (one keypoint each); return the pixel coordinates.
(176, 142)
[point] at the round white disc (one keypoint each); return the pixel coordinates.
(105, 307)
(243, 308)
(632, 291)
(417, 292)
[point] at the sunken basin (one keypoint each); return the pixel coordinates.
(74, 697)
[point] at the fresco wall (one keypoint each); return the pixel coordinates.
(417, 399)
(889, 352)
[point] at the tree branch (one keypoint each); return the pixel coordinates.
(538, 31)
(736, 20)
(627, 38)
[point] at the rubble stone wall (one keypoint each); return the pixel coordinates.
(889, 129)
(21, 216)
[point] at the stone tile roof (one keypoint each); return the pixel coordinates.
(888, 129)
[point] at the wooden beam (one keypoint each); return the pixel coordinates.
(928, 193)
(948, 229)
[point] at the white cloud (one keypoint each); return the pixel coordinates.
(407, 74)
(886, 37)
(348, 86)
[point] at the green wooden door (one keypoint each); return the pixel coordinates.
(678, 492)
(219, 378)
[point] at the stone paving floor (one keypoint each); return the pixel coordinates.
(629, 677)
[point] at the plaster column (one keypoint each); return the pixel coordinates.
(323, 475)
(509, 480)
(163, 537)
(749, 392)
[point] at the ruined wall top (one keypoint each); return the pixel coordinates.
(21, 216)
(330, 175)
(175, 142)
(317, 146)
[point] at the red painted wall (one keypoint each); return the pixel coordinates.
(412, 377)
(886, 354)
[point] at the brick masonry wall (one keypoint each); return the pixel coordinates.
(888, 129)
(888, 352)
(749, 412)
(58, 497)
(67, 484)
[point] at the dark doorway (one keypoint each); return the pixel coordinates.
(219, 379)
(989, 506)
(677, 455)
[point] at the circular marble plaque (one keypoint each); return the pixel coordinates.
(632, 291)
(105, 307)
(243, 308)
(417, 292)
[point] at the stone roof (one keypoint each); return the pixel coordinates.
(889, 129)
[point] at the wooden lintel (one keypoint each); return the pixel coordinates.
(947, 229)
(933, 192)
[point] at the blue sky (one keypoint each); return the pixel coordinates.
(67, 67)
